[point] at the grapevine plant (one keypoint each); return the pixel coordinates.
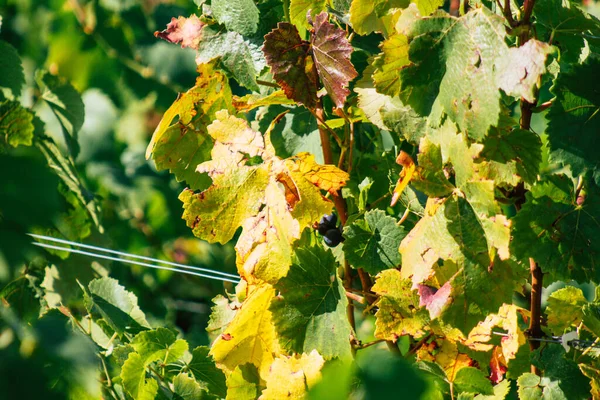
(415, 176)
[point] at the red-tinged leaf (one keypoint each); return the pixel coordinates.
(287, 55)
(187, 31)
(331, 51)
(435, 300)
(497, 365)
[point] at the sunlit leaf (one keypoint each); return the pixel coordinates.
(290, 377)
(187, 31)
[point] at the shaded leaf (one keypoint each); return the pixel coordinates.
(159, 344)
(562, 371)
(16, 127)
(203, 368)
(186, 388)
(66, 104)
(11, 71)
(252, 101)
(287, 54)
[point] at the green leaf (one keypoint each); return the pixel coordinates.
(591, 317)
(221, 315)
(310, 311)
(287, 54)
(331, 51)
(243, 383)
(299, 10)
(159, 344)
(239, 57)
(574, 119)
(565, 24)
(252, 101)
(16, 127)
(117, 306)
(372, 242)
(529, 386)
(565, 309)
(509, 157)
(562, 371)
(559, 236)
(186, 388)
(135, 382)
(472, 380)
(202, 366)
(240, 16)
(66, 104)
(443, 61)
(11, 71)
(399, 310)
(183, 145)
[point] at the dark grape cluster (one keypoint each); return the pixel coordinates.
(332, 234)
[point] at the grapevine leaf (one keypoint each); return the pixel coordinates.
(399, 313)
(16, 127)
(299, 10)
(370, 101)
(591, 317)
(296, 132)
(560, 235)
(66, 104)
(204, 370)
(429, 177)
(11, 70)
(507, 319)
(252, 101)
(510, 157)
(310, 311)
(291, 377)
(186, 388)
(159, 344)
(472, 380)
(372, 242)
(240, 16)
(565, 25)
(187, 31)
(561, 370)
(444, 61)
(115, 305)
(520, 69)
(565, 309)
(331, 52)
(238, 56)
(456, 235)
(273, 201)
(594, 375)
(287, 56)
(221, 315)
(243, 383)
(133, 375)
(251, 336)
(182, 145)
(434, 300)
(365, 20)
(574, 119)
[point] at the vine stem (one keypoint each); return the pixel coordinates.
(535, 328)
(527, 108)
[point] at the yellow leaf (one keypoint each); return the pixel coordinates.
(446, 354)
(326, 177)
(506, 319)
(250, 337)
(290, 377)
(408, 170)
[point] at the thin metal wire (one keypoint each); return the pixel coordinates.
(558, 340)
(121, 253)
(143, 264)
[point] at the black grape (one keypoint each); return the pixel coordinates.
(323, 228)
(333, 237)
(329, 220)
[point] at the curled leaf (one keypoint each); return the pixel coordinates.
(187, 31)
